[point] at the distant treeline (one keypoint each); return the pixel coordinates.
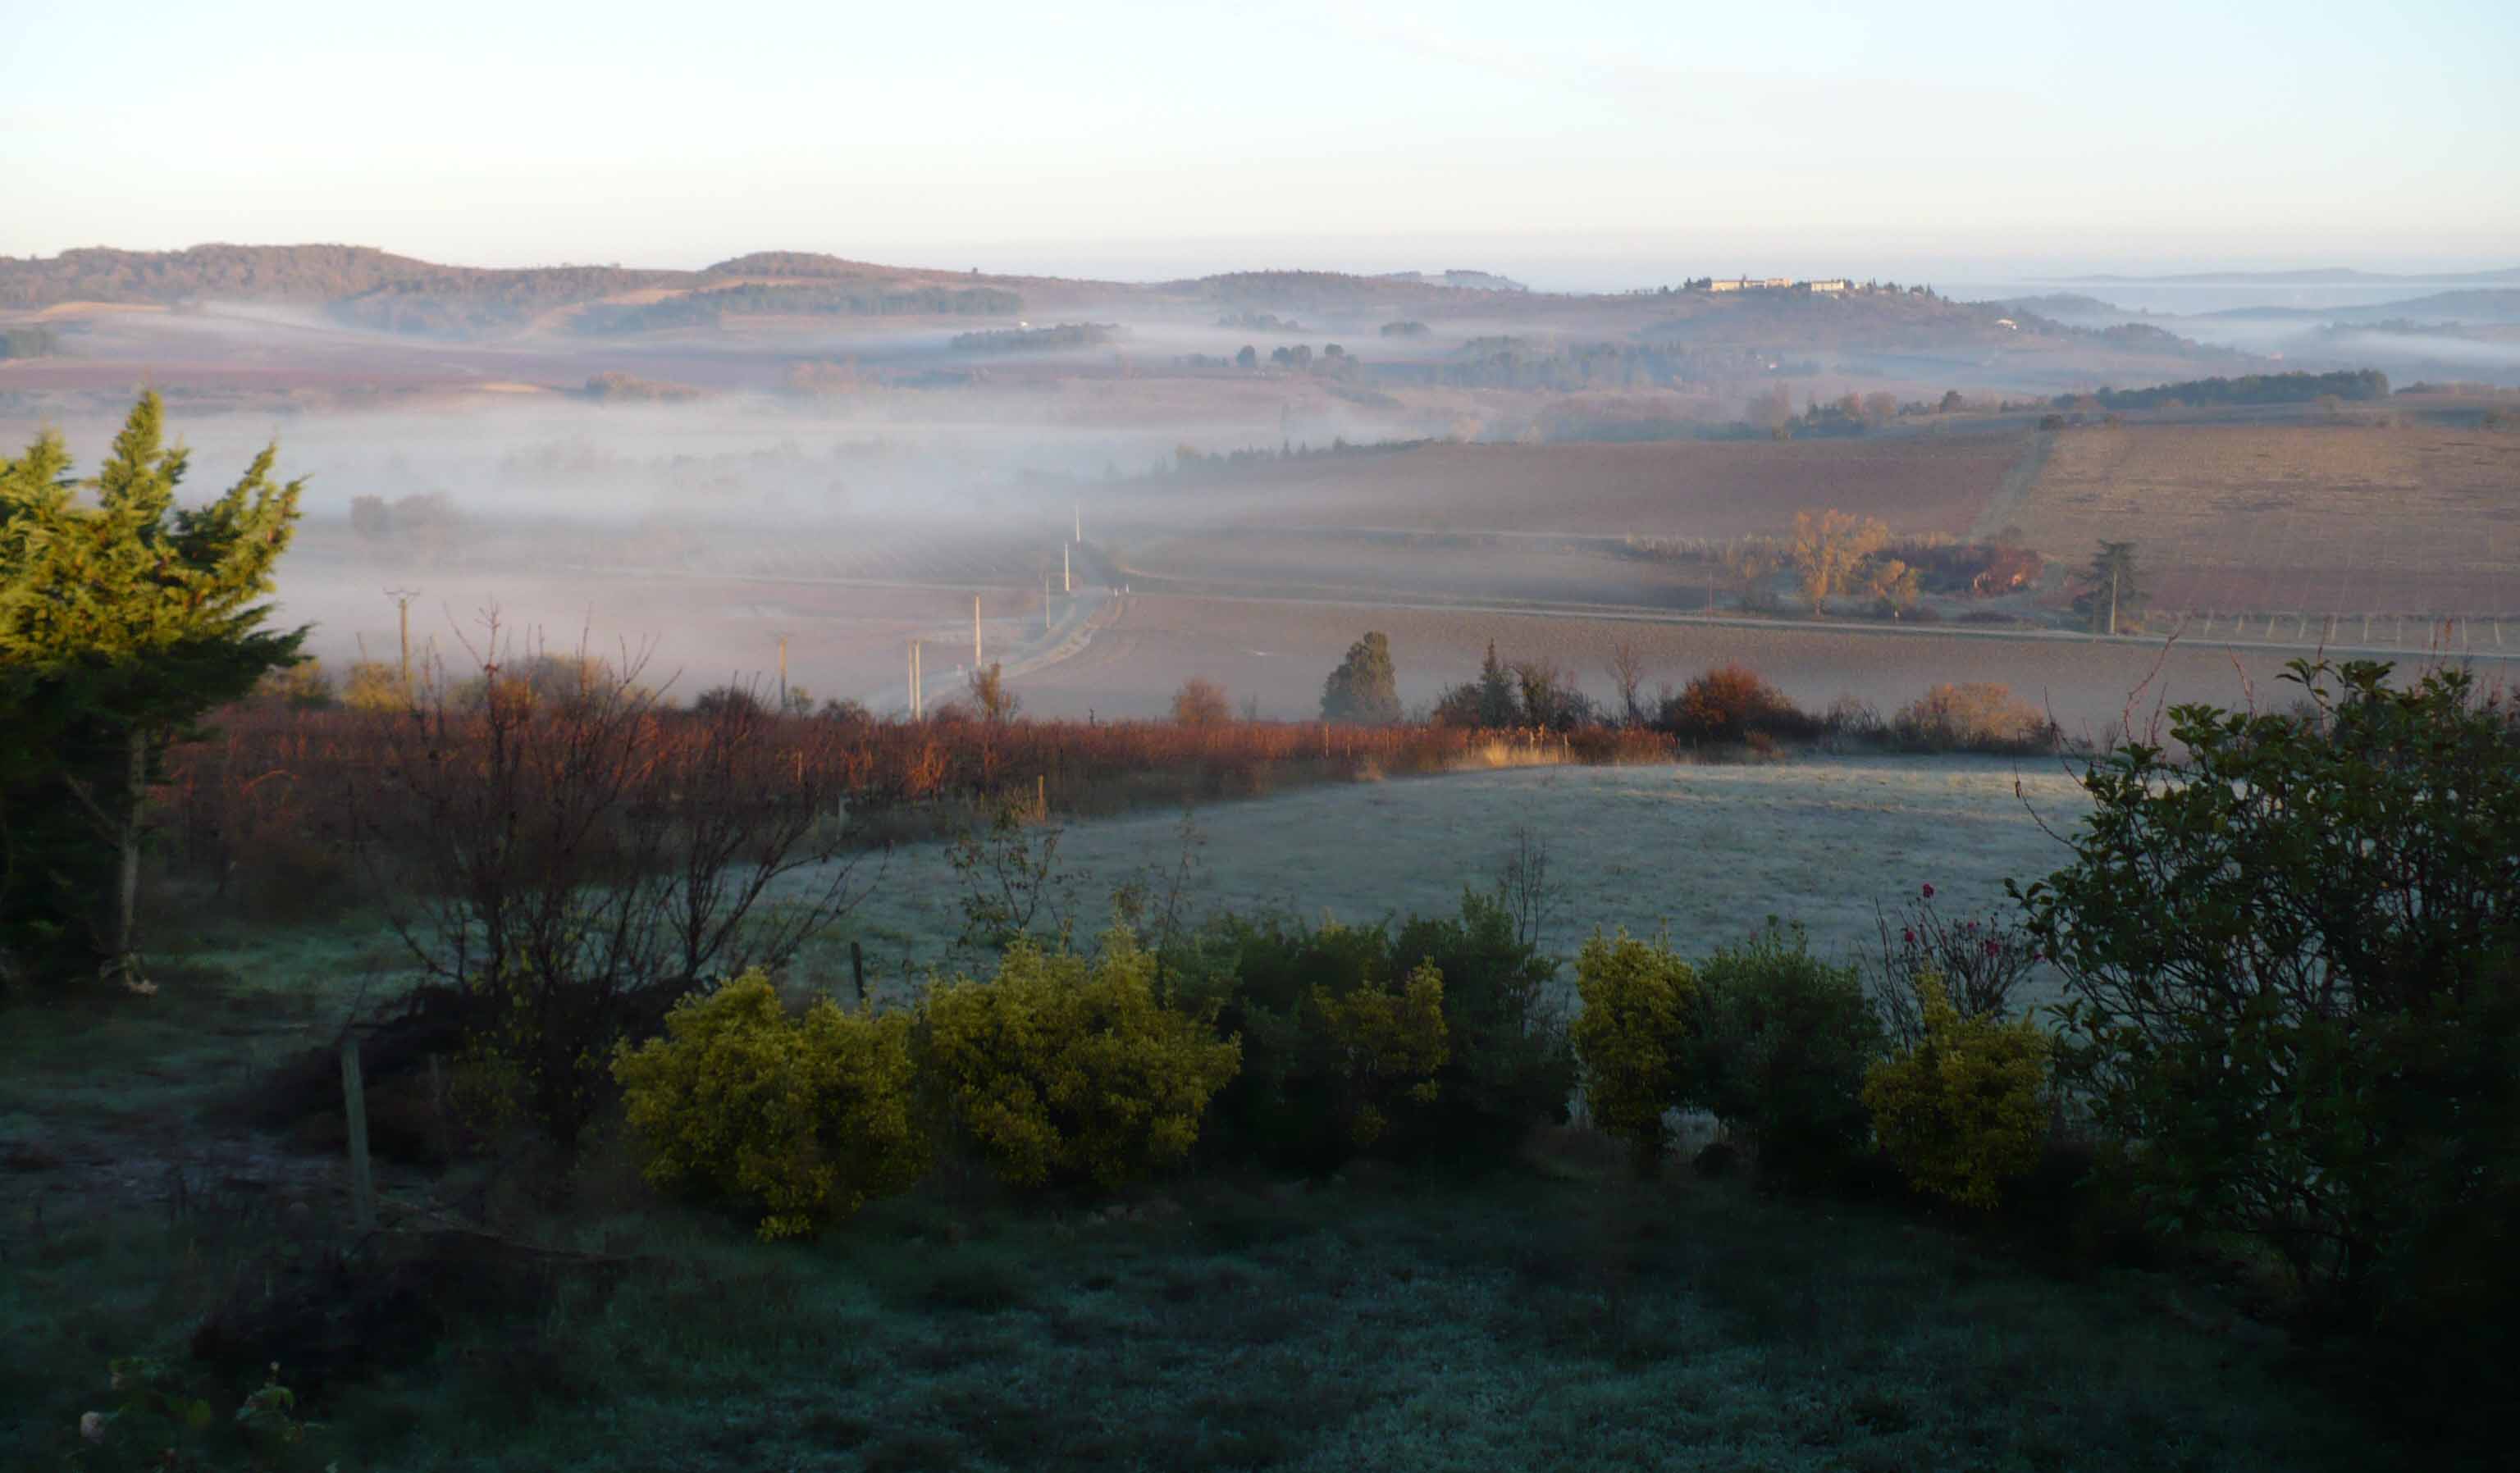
(29, 342)
(453, 302)
(2252, 388)
(308, 273)
(701, 309)
(1067, 335)
(1513, 363)
(1260, 322)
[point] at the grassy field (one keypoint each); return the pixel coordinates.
(1550, 1313)
(1708, 851)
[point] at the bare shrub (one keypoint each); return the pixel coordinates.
(1973, 717)
(568, 868)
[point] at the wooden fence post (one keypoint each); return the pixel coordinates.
(354, 1105)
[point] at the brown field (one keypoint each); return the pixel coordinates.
(1676, 488)
(1279, 654)
(1415, 565)
(843, 640)
(2317, 518)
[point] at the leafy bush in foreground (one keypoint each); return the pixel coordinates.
(1783, 1042)
(2292, 986)
(1639, 1002)
(1385, 1042)
(1069, 1071)
(1466, 991)
(1510, 1067)
(1964, 1111)
(804, 1118)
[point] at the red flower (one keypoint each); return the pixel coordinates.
(1929, 892)
(1907, 935)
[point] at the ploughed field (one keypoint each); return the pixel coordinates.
(1675, 488)
(1706, 851)
(2344, 519)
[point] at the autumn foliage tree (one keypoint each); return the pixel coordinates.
(1829, 551)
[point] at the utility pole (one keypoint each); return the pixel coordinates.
(2113, 600)
(782, 674)
(1066, 576)
(975, 632)
(917, 705)
(402, 598)
(1079, 509)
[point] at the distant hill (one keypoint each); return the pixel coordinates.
(2485, 304)
(2329, 276)
(257, 273)
(1466, 281)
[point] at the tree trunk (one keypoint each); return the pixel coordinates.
(123, 966)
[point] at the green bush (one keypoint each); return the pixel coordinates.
(1965, 1110)
(1783, 1043)
(1067, 1071)
(2292, 991)
(1283, 1108)
(1501, 1060)
(1385, 1042)
(802, 1120)
(1510, 1067)
(1631, 1036)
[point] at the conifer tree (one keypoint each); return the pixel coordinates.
(124, 618)
(1362, 689)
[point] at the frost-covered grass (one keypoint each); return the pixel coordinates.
(1555, 1316)
(1551, 1314)
(1708, 851)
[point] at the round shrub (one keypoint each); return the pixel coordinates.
(1782, 1041)
(801, 1119)
(1639, 999)
(1062, 1070)
(1963, 1112)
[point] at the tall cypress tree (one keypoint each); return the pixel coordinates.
(124, 618)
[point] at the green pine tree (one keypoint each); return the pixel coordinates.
(2111, 594)
(1499, 704)
(124, 618)
(1362, 689)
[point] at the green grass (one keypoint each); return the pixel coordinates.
(1534, 1318)
(1552, 1315)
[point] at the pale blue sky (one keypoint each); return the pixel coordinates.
(1592, 143)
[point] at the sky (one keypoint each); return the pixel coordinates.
(1582, 145)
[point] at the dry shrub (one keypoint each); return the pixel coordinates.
(1974, 716)
(1201, 702)
(1731, 704)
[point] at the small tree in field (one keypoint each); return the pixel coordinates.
(123, 620)
(1828, 550)
(996, 703)
(1362, 689)
(2111, 595)
(1201, 702)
